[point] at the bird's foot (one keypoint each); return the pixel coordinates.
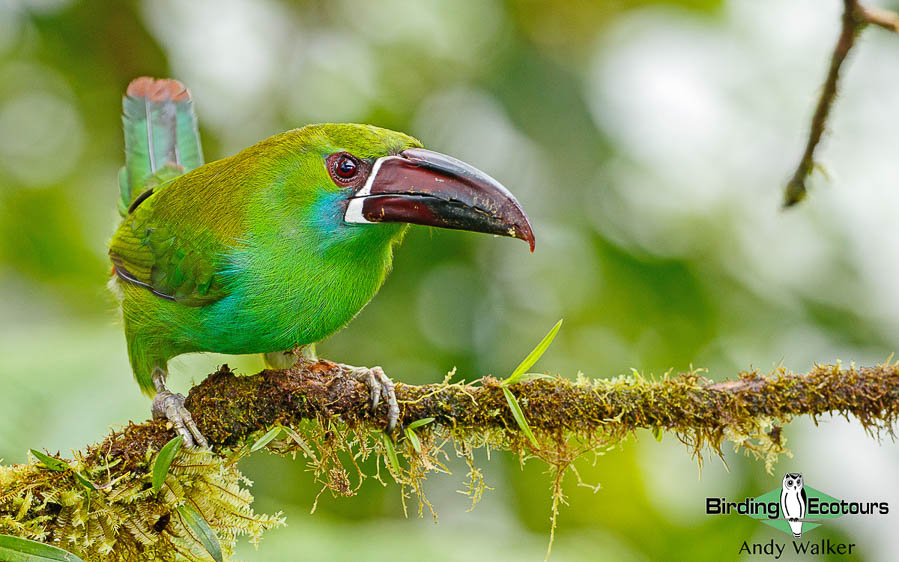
(381, 387)
(170, 406)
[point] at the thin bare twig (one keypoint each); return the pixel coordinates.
(880, 17)
(855, 18)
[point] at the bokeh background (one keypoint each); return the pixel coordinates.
(649, 142)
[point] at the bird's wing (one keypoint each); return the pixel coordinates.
(174, 230)
(174, 255)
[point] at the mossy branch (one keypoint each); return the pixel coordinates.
(229, 408)
(324, 411)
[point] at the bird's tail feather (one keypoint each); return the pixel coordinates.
(161, 137)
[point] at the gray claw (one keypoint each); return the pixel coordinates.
(381, 388)
(170, 406)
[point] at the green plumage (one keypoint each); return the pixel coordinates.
(248, 254)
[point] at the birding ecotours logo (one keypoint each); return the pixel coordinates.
(794, 507)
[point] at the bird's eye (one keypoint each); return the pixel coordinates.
(345, 167)
(789, 482)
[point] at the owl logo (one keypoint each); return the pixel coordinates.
(793, 502)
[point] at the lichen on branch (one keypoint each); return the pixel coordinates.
(103, 506)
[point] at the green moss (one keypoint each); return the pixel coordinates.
(335, 431)
(123, 519)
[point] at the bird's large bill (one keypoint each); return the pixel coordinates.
(424, 187)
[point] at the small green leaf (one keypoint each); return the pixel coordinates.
(61, 466)
(164, 461)
(50, 462)
(410, 435)
(202, 530)
(14, 549)
(657, 432)
(299, 440)
(533, 356)
(410, 432)
(533, 376)
(265, 439)
(239, 454)
(418, 423)
(519, 415)
(85, 482)
(391, 453)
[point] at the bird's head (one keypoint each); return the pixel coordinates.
(367, 181)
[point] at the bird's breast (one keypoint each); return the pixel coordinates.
(273, 306)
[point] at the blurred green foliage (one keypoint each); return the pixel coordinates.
(647, 273)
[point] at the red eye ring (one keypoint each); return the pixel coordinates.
(345, 167)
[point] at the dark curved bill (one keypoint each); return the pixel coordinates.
(429, 188)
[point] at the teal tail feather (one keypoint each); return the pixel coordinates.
(161, 136)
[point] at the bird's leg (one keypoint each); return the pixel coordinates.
(289, 358)
(306, 351)
(279, 359)
(170, 406)
(381, 387)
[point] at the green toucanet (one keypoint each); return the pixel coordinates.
(276, 247)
